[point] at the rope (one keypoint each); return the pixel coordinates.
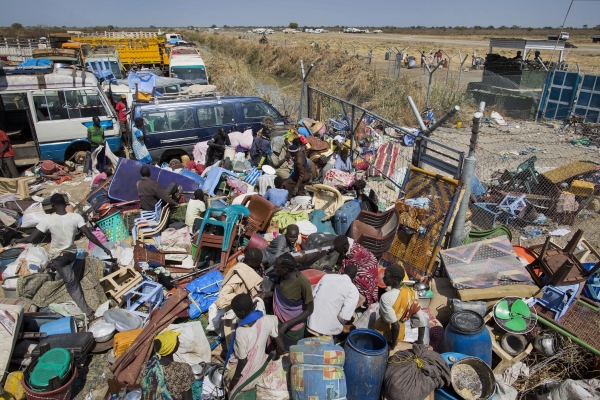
(414, 358)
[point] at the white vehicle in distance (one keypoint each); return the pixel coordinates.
(561, 36)
(377, 31)
(269, 31)
(259, 30)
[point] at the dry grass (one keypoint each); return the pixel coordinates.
(336, 73)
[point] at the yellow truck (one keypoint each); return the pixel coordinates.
(146, 49)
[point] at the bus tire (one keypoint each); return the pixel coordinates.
(74, 148)
(168, 155)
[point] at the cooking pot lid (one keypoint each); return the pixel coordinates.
(467, 321)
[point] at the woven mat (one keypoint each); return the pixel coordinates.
(580, 320)
(571, 170)
(415, 252)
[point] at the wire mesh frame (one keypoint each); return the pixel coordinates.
(439, 157)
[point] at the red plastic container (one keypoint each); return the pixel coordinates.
(313, 275)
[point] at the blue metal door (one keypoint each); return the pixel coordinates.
(588, 101)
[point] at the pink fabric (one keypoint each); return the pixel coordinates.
(335, 177)
(368, 274)
(101, 237)
(241, 139)
(199, 152)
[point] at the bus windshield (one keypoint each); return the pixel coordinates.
(190, 73)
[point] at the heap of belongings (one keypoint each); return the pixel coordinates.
(286, 270)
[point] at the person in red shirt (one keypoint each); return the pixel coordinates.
(121, 109)
(7, 157)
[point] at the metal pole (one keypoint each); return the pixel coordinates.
(301, 90)
(352, 131)
(461, 67)
(467, 181)
(417, 115)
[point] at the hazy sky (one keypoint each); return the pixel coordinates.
(526, 13)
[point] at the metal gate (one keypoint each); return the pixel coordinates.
(559, 95)
(587, 105)
(439, 157)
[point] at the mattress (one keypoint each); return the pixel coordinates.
(127, 173)
(11, 317)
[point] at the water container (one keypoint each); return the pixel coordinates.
(345, 215)
(466, 333)
(318, 382)
(62, 325)
(387, 55)
(313, 275)
(317, 354)
(316, 340)
(366, 360)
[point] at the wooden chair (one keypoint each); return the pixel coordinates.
(376, 231)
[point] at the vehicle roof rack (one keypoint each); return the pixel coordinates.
(26, 70)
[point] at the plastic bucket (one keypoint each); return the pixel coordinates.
(466, 334)
(63, 393)
(62, 325)
(366, 360)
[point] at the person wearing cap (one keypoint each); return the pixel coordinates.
(261, 146)
(63, 226)
(301, 175)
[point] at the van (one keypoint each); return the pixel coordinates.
(173, 127)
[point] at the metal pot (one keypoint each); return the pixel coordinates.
(420, 286)
(216, 377)
(544, 344)
(103, 331)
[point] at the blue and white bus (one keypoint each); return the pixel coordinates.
(46, 112)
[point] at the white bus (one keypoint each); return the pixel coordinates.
(46, 112)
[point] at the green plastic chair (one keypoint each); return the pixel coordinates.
(232, 213)
(525, 175)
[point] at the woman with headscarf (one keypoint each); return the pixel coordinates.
(398, 305)
(163, 378)
(351, 252)
(292, 299)
(247, 351)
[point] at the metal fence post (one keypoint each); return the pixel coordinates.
(467, 181)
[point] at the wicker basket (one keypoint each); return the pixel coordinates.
(114, 228)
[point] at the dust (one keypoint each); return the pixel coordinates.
(467, 381)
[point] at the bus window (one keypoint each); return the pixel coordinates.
(206, 116)
(84, 103)
(14, 101)
(50, 105)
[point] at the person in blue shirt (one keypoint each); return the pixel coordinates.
(342, 161)
(277, 195)
(137, 143)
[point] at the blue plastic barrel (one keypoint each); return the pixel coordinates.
(366, 361)
(466, 334)
(318, 382)
(62, 325)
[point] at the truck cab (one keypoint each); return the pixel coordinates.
(187, 64)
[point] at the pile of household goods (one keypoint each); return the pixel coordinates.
(272, 277)
(533, 201)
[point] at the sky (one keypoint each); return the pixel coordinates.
(128, 13)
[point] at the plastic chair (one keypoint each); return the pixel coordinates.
(327, 198)
(376, 231)
(213, 178)
(154, 228)
(524, 175)
(261, 211)
(146, 218)
(232, 214)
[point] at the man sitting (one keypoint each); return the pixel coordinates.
(342, 162)
(280, 245)
(336, 298)
(150, 191)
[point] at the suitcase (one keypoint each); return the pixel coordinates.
(80, 344)
(344, 216)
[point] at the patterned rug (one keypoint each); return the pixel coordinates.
(484, 264)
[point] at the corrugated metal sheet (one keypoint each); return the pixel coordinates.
(526, 44)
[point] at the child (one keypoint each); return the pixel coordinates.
(195, 211)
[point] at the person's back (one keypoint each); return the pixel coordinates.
(63, 229)
(335, 299)
(277, 196)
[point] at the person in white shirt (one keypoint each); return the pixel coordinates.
(63, 226)
(335, 298)
(195, 209)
